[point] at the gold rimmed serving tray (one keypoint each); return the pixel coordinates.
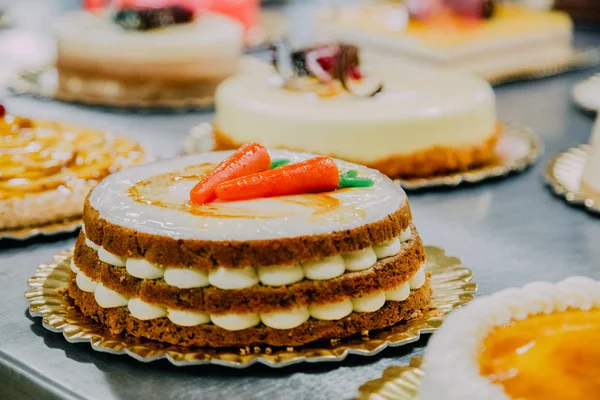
(578, 60)
(451, 283)
(54, 228)
(563, 176)
(517, 148)
(396, 383)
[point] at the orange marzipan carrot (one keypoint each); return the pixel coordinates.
(311, 176)
(248, 159)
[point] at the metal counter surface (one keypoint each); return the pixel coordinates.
(509, 232)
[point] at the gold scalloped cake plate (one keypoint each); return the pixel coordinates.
(396, 383)
(517, 148)
(450, 281)
(54, 228)
(579, 60)
(42, 82)
(563, 176)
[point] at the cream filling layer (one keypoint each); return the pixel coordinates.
(287, 319)
(241, 278)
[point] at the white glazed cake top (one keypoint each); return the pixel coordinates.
(419, 108)
(154, 199)
(451, 357)
(410, 92)
(211, 34)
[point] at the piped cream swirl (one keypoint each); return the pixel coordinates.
(241, 278)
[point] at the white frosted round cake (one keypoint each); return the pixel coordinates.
(537, 342)
(422, 122)
(150, 56)
(590, 179)
(281, 271)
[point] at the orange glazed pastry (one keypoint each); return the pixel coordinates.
(47, 168)
(534, 343)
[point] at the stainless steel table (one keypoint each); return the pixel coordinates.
(509, 232)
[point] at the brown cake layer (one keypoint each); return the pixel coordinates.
(120, 321)
(388, 273)
(206, 254)
(438, 160)
(104, 90)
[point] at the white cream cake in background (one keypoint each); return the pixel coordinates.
(423, 122)
(127, 56)
(590, 180)
(514, 39)
(537, 342)
(280, 271)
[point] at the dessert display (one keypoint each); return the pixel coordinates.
(590, 180)
(401, 120)
(585, 93)
(535, 342)
(574, 174)
(47, 168)
(492, 39)
(146, 56)
(254, 247)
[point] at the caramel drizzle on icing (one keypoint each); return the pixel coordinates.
(150, 191)
(547, 356)
(45, 155)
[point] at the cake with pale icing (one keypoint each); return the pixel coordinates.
(535, 342)
(423, 121)
(153, 57)
(278, 271)
(590, 180)
(47, 168)
(512, 39)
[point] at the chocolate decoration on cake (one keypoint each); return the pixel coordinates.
(153, 18)
(325, 63)
(489, 9)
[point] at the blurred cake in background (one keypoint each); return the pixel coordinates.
(247, 12)
(492, 39)
(47, 168)
(404, 121)
(581, 10)
(147, 55)
(590, 181)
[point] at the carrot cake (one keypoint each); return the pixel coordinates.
(401, 120)
(152, 56)
(48, 168)
(490, 38)
(532, 343)
(197, 251)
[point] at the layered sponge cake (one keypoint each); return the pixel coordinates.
(282, 270)
(154, 56)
